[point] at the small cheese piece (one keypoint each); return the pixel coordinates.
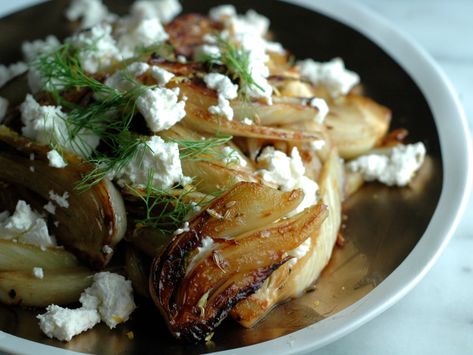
(47, 124)
(145, 33)
(161, 108)
(106, 249)
(3, 108)
(288, 173)
(202, 251)
(322, 108)
(251, 23)
(164, 10)
(63, 323)
(222, 12)
(222, 84)
(31, 50)
(183, 229)
(9, 72)
(61, 201)
(332, 75)
(56, 160)
(38, 272)
(112, 296)
(97, 48)
(232, 156)
(155, 160)
(91, 12)
(395, 167)
(25, 226)
(122, 80)
(162, 76)
(300, 251)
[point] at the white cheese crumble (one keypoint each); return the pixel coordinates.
(226, 91)
(232, 156)
(106, 249)
(322, 108)
(50, 207)
(47, 124)
(97, 48)
(164, 10)
(112, 295)
(247, 121)
(3, 108)
(38, 272)
(91, 12)
(183, 229)
(63, 323)
(55, 159)
(145, 33)
(395, 167)
(122, 80)
(222, 12)
(161, 108)
(207, 51)
(12, 71)
(204, 250)
(162, 76)
(25, 226)
(287, 173)
(31, 50)
(61, 201)
(300, 251)
(332, 75)
(318, 144)
(157, 160)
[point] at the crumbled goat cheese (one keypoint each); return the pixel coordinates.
(183, 229)
(31, 50)
(287, 173)
(12, 71)
(25, 226)
(226, 90)
(181, 59)
(61, 201)
(222, 109)
(222, 12)
(322, 108)
(120, 80)
(232, 156)
(112, 296)
(247, 121)
(274, 47)
(157, 160)
(202, 251)
(56, 160)
(207, 51)
(162, 76)
(63, 323)
(222, 84)
(164, 10)
(318, 144)
(332, 75)
(38, 272)
(97, 48)
(301, 250)
(160, 108)
(396, 167)
(145, 33)
(91, 12)
(50, 207)
(251, 23)
(46, 124)
(3, 108)
(106, 249)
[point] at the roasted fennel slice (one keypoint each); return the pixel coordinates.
(228, 252)
(24, 257)
(356, 124)
(292, 279)
(59, 287)
(198, 118)
(90, 220)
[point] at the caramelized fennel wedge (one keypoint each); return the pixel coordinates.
(95, 217)
(356, 124)
(198, 118)
(195, 301)
(290, 281)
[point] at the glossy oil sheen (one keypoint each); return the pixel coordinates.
(382, 224)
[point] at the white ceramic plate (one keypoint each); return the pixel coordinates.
(454, 142)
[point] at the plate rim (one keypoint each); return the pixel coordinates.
(456, 188)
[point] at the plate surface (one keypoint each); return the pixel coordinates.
(393, 235)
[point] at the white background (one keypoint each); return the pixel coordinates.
(437, 316)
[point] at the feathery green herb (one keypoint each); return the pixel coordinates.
(203, 149)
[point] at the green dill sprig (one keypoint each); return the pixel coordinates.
(202, 149)
(237, 62)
